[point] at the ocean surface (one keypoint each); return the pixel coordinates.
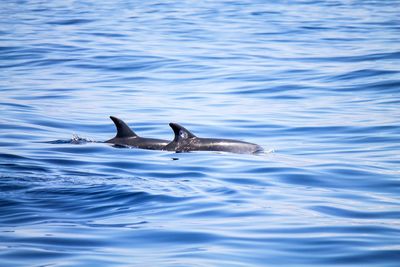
(315, 83)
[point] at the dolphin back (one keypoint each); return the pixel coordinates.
(185, 141)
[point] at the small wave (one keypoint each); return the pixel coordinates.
(348, 213)
(70, 22)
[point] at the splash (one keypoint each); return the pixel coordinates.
(76, 139)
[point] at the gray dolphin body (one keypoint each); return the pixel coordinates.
(125, 136)
(186, 141)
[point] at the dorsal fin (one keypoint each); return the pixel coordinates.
(180, 132)
(123, 130)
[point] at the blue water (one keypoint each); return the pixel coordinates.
(315, 83)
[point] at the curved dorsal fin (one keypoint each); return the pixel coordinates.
(180, 132)
(123, 130)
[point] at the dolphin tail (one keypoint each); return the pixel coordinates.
(123, 130)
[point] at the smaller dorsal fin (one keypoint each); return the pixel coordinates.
(123, 129)
(180, 132)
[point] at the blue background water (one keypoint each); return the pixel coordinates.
(316, 83)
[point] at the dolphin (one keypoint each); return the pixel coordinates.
(185, 141)
(126, 137)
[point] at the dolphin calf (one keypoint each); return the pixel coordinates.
(185, 141)
(125, 136)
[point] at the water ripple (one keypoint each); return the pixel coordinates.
(316, 83)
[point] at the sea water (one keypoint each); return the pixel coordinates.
(315, 83)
